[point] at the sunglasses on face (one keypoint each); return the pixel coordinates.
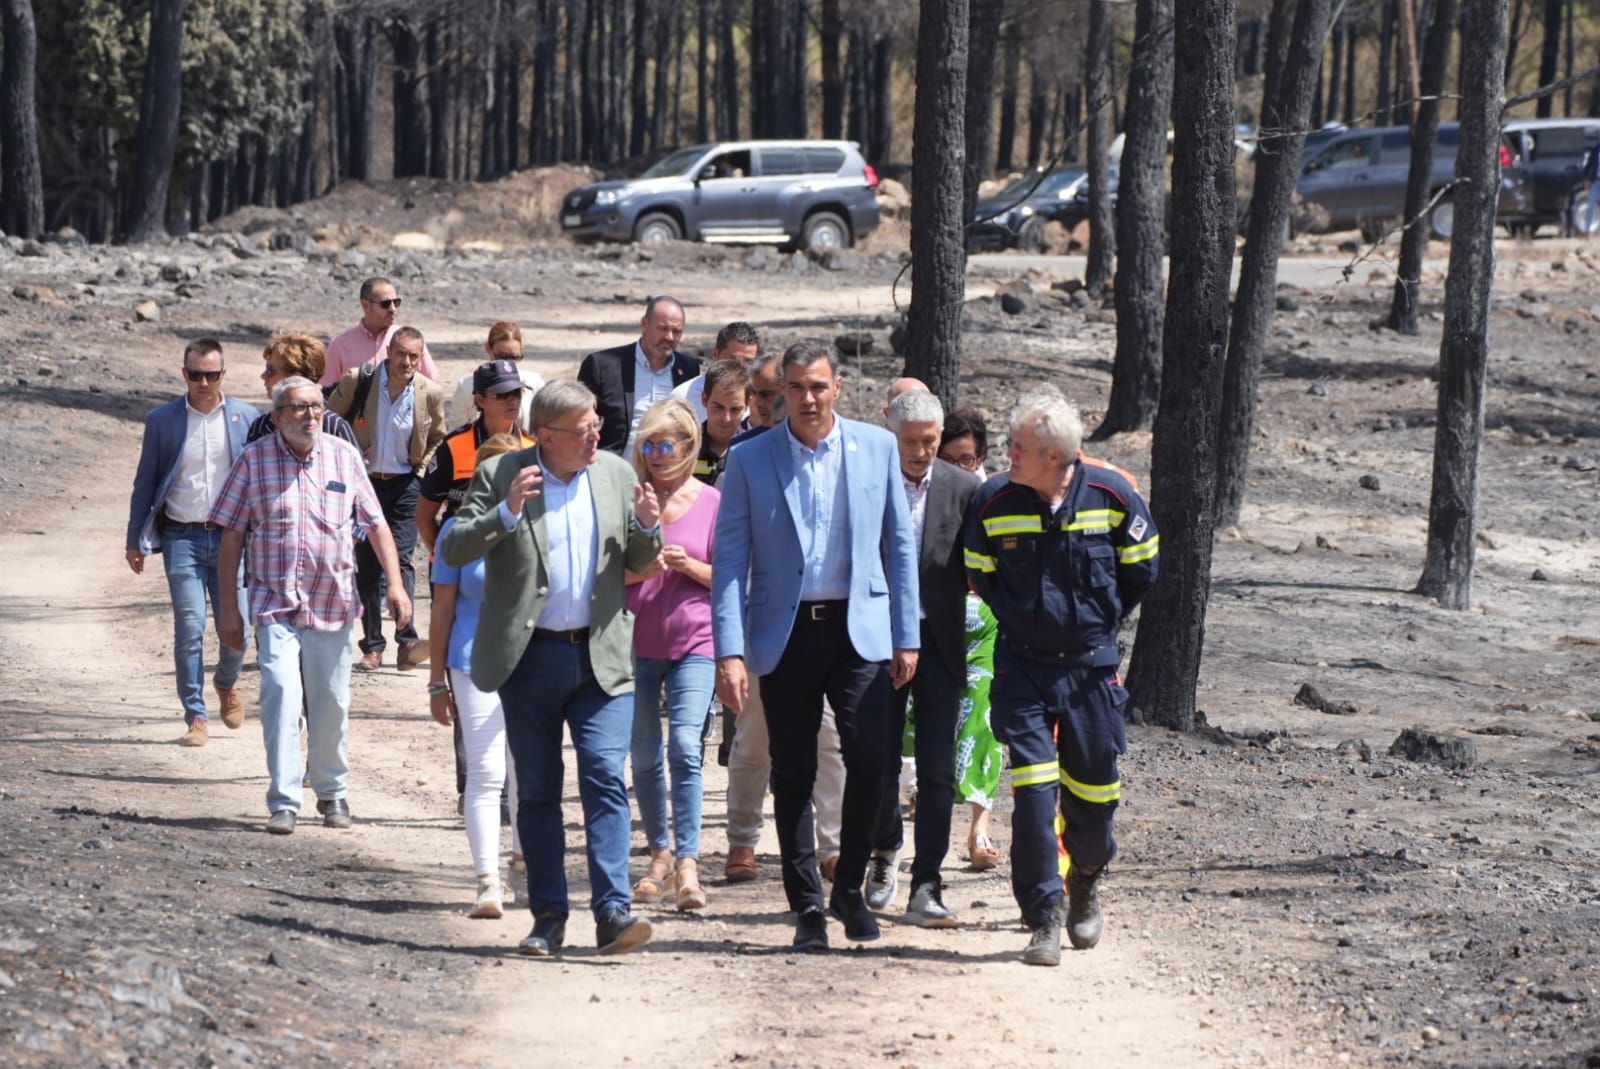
(202, 376)
(392, 302)
(663, 448)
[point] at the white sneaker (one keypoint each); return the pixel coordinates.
(883, 880)
(927, 910)
(487, 906)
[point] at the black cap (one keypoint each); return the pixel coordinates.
(496, 377)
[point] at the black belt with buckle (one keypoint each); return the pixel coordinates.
(576, 637)
(818, 611)
(173, 525)
(1092, 657)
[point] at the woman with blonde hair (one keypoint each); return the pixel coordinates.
(504, 343)
(457, 599)
(671, 603)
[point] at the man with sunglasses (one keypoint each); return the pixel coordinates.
(368, 341)
(189, 445)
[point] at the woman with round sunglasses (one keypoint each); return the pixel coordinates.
(671, 603)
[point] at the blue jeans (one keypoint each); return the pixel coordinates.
(310, 670)
(190, 558)
(689, 683)
(554, 685)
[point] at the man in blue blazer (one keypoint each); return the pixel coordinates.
(189, 445)
(814, 591)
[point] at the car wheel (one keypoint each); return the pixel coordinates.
(655, 228)
(1030, 236)
(824, 230)
(1584, 221)
(1442, 219)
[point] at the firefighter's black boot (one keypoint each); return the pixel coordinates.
(1083, 907)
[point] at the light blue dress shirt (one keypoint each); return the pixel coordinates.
(571, 532)
(824, 516)
(391, 444)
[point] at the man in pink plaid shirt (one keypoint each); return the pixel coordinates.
(297, 498)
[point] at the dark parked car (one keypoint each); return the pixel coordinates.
(1358, 180)
(1016, 218)
(1552, 151)
(815, 194)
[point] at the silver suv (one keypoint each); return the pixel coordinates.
(814, 194)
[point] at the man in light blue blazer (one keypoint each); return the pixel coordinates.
(189, 445)
(814, 592)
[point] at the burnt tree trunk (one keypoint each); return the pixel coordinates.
(1171, 638)
(160, 98)
(358, 59)
(727, 75)
(1336, 74)
(1549, 54)
(1038, 113)
(1142, 225)
(831, 32)
(1385, 62)
(639, 83)
(1099, 89)
(1351, 37)
(880, 100)
(667, 28)
(1424, 128)
(703, 71)
(1011, 82)
(410, 103)
(1464, 349)
(21, 181)
(938, 247)
(1277, 166)
(984, 43)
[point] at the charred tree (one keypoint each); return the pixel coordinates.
(21, 181)
(1099, 90)
(1277, 166)
(356, 38)
(831, 33)
(638, 83)
(1464, 349)
(938, 246)
(1011, 83)
(160, 98)
(1171, 637)
(410, 103)
(984, 43)
(727, 74)
(1336, 73)
(1142, 225)
(1424, 128)
(1549, 54)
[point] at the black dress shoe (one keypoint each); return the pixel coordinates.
(850, 906)
(549, 932)
(335, 813)
(618, 932)
(811, 932)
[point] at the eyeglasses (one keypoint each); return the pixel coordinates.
(392, 302)
(665, 447)
(303, 408)
(966, 461)
(202, 376)
(588, 430)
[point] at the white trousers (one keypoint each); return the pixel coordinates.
(483, 732)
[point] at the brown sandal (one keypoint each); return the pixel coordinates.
(981, 850)
(691, 895)
(657, 880)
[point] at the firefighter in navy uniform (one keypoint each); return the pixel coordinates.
(1062, 550)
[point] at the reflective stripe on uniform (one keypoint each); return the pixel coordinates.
(1034, 775)
(994, 526)
(704, 467)
(1139, 551)
(1101, 793)
(978, 562)
(1094, 520)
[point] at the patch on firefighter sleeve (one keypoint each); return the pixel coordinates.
(1137, 528)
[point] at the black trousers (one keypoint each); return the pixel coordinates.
(398, 499)
(820, 662)
(938, 701)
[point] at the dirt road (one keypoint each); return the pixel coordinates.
(1288, 894)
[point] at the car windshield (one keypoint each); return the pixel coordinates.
(1050, 184)
(676, 164)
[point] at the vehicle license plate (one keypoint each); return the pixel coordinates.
(571, 220)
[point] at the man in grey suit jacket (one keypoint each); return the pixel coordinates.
(814, 590)
(936, 494)
(556, 525)
(189, 445)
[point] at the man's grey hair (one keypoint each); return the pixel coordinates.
(281, 392)
(1053, 418)
(558, 398)
(807, 352)
(406, 334)
(915, 406)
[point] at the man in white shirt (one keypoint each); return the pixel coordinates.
(736, 341)
(189, 445)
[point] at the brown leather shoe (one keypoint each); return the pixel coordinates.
(196, 735)
(741, 865)
(370, 662)
(411, 655)
(232, 708)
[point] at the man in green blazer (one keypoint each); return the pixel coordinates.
(556, 525)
